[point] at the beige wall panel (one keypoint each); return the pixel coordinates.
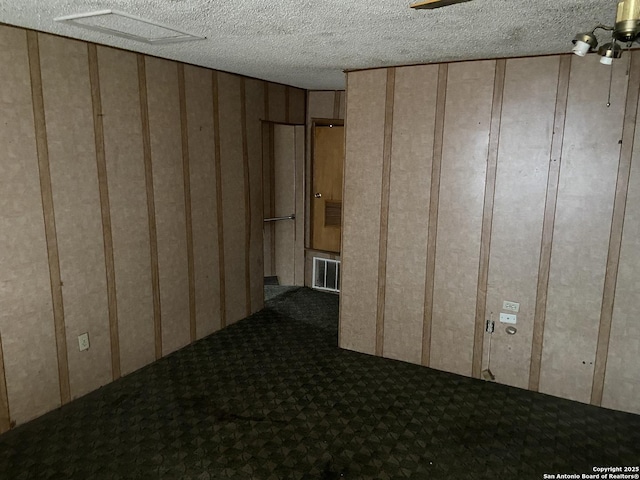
(297, 105)
(622, 379)
(254, 93)
(26, 311)
(168, 185)
(342, 103)
(320, 104)
(581, 235)
(361, 209)
(285, 158)
(199, 98)
(277, 103)
(464, 158)
(128, 200)
(521, 180)
(74, 179)
(411, 155)
(232, 196)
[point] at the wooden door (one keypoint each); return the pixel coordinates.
(326, 193)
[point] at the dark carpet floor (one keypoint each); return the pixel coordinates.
(272, 397)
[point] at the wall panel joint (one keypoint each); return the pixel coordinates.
(247, 192)
(5, 415)
(49, 215)
(487, 217)
(436, 166)
(184, 134)
(548, 223)
(105, 209)
(151, 209)
(219, 213)
(384, 209)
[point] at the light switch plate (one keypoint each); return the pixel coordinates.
(511, 306)
(83, 342)
(508, 318)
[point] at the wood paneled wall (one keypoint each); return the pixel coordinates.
(471, 183)
(131, 209)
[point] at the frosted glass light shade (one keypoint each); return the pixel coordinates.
(581, 48)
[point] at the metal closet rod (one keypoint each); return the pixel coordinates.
(275, 219)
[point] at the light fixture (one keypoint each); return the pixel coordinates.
(626, 29)
(583, 42)
(609, 51)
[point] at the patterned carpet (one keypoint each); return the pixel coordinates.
(272, 397)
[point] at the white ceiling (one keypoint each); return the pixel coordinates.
(308, 43)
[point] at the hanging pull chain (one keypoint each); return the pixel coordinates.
(610, 83)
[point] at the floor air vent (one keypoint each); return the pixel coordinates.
(326, 274)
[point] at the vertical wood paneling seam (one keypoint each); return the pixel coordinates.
(5, 413)
(186, 174)
(434, 199)
(262, 187)
(266, 101)
(305, 107)
(307, 177)
(299, 171)
(617, 226)
(269, 160)
(336, 104)
(219, 211)
(287, 104)
(247, 193)
(344, 176)
(151, 209)
(384, 208)
(272, 194)
(548, 223)
(51, 235)
(105, 209)
(262, 191)
(305, 185)
(487, 217)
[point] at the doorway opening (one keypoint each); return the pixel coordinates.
(324, 199)
(283, 206)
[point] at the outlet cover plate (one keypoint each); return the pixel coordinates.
(83, 342)
(511, 306)
(508, 318)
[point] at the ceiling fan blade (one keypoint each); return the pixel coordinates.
(430, 4)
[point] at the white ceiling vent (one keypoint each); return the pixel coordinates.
(120, 24)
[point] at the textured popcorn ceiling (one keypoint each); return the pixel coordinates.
(309, 43)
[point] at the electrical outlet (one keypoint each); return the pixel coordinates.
(508, 318)
(511, 306)
(83, 342)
